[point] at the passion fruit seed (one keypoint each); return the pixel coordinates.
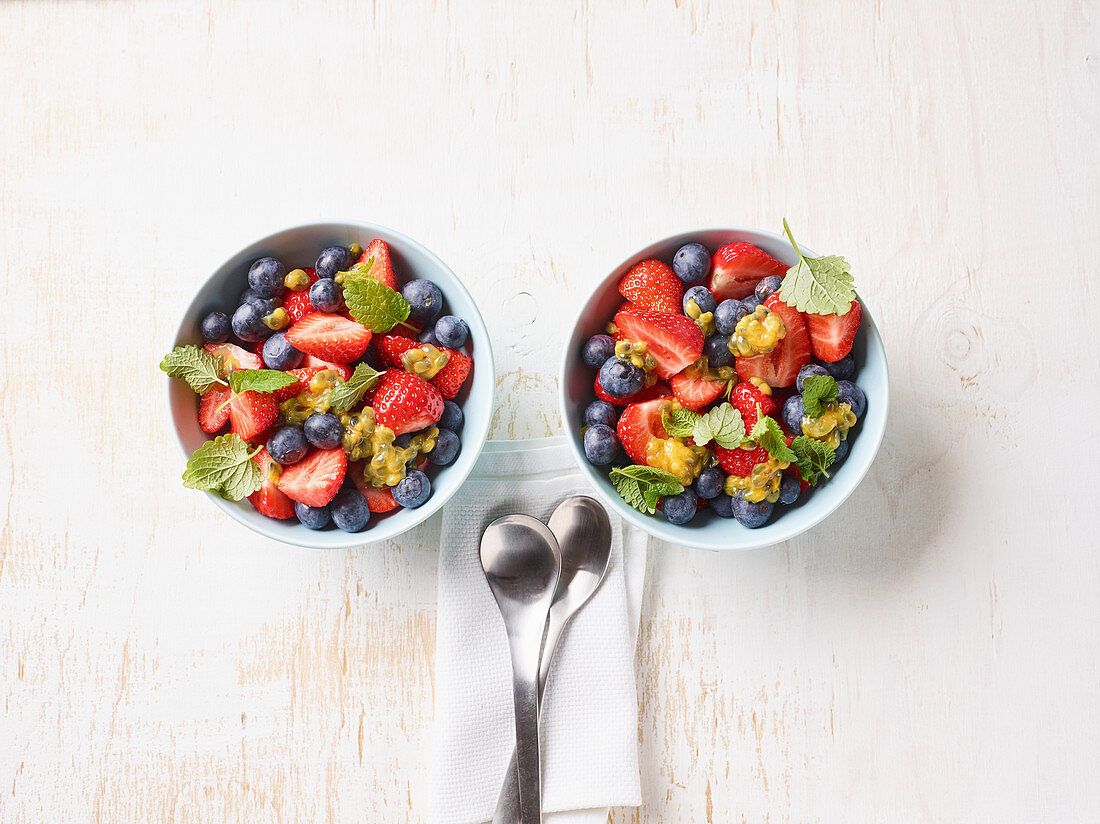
(762, 484)
(355, 250)
(832, 425)
(278, 319)
(758, 333)
(296, 280)
(427, 361)
(704, 320)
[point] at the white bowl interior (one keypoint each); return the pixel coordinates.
(299, 246)
(708, 531)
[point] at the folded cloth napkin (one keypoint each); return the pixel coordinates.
(589, 730)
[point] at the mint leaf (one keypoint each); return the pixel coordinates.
(818, 390)
(680, 423)
(722, 424)
(373, 304)
(822, 286)
(259, 380)
(199, 368)
(767, 433)
(813, 457)
(345, 395)
(225, 466)
(643, 486)
(359, 269)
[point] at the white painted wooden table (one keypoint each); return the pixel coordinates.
(929, 654)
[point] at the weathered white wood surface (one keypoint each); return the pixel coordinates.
(929, 654)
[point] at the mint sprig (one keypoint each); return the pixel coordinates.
(347, 394)
(224, 466)
(813, 457)
(259, 380)
(822, 286)
(198, 367)
(643, 486)
(766, 433)
(373, 304)
(818, 390)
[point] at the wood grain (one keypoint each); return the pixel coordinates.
(928, 654)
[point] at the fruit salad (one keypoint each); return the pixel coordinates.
(338, 385)
(724, 383)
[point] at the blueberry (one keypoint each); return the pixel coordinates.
(844, 369)
(691, 262)
(597, 349)
(717, 350)
(702, 297)
(749, 515)
(349, 510)
(451, 331)
(793, 410)
(849, 393)
(325, 295)
(403, 441)
(428, 336)
(314, 517)
(807, 371)
(839, 455)
(600, 412)
(601, 444)
(789, 489)
(425, 301)
(265, 277)
(452, 416)
(412, 490)
(768, 286)
(679, 509)
(215, 327)
(620, 378)
(727, 314)
(722, 506)
(447, 444)
(323, 430)
(750, 303)
(265, 305)
(287, 445)
(710, 483)
(248, 323)
(332, 259)
(249, 295)
(279, 354)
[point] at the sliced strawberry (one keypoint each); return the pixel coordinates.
(404, 402)
(738, 267)
(651, 284)
(391, 347)
(234, 357)
(780, 366)
(639, 424)
(303, 375)
(695, 392)
(739, 461)
(450, 378)
(315, 480)
(832, 336)
(213, 410)
(331, 337)
(745, 397)
(378, 500)
(673, 341)
(298, 305)
(309, 362)
(251, 413)
(268, 500)
(659, 390)
(382, 269)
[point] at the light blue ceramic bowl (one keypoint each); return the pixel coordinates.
(299, 246)
(708, 531)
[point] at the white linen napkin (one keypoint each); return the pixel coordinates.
(589, 730)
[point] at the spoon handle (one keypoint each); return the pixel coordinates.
(528, 781)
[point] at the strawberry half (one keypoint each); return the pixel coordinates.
(639, 424)
(382, 269)
(832, 336)
(309, 362)
(659, 390)
(268, 500)
(745, 397)
(695, 393)
(450, 378)
(331, 337)
(739, 461)
(234, 357)
(651, 284)
(250, 413)
(378, 500)
(298, 305)
(315, 480)
(780, 366)
(213, 413)
(404, 402)
(303, 375)
(738, 267)
(674, 341)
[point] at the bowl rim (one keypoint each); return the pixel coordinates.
(312, 539)
(649, 523)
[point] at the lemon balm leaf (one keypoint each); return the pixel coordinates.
(199, 368)
(375, 305)
(224, 466)
(680, 423)
(822, 286)
(722, 424)
(259, 380)
(643, 486)
(818, 390)
(347, 394)
(813, 457)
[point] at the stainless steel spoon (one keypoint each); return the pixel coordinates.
(583, 531)
(522, 564)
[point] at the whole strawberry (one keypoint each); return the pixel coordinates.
(405, 402)
(652, 285)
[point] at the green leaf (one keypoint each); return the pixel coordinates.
(823, 286)
(373, 304)
(345, 395)
(680, 423)
(818, 390)
(767, 433)
(259, 380)
(225, 466)
(723, 424)
(813, 457)
(199, 368)
(359, 269)
(643, 486)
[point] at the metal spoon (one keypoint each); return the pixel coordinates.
(584, 535)
(522, 564)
